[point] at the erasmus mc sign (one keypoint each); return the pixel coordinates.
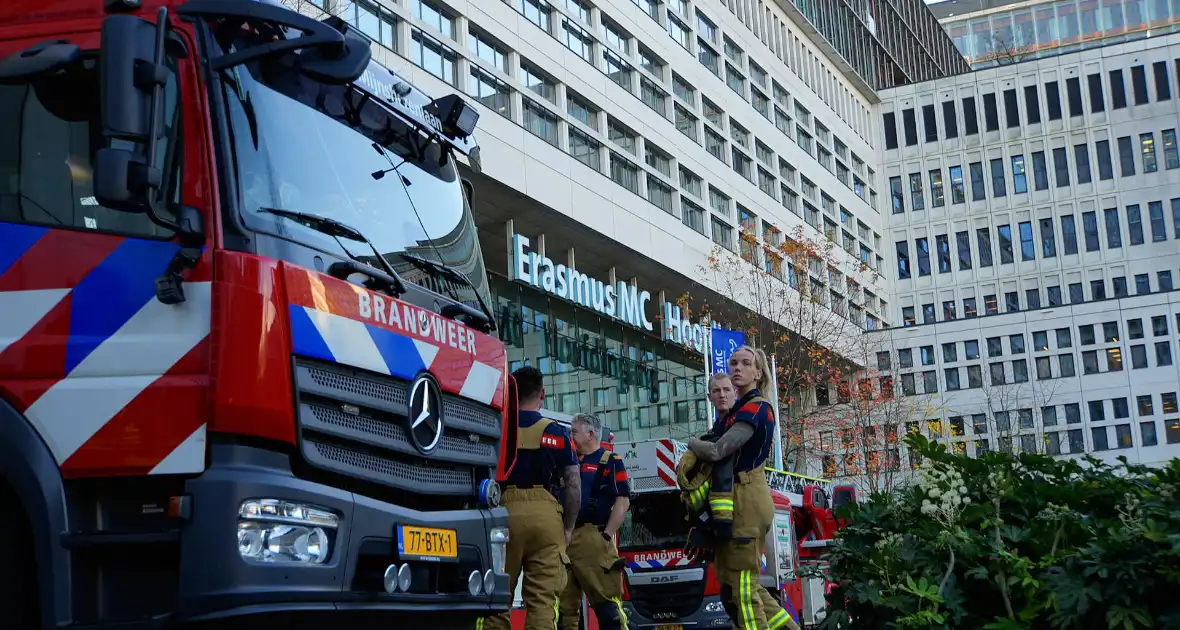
(620, 301)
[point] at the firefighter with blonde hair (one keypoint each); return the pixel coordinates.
(747, 435)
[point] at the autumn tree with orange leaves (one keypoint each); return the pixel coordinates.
(796, 298)
(861, 439)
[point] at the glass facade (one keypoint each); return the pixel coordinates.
(639, 385)
(887, 43)
(1052, 28)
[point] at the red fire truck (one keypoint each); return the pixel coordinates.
(245, 364)
(666, 591)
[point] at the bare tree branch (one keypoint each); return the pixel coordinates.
(796, 298)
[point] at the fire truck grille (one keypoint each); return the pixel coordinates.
(354, 423)
(668, 601)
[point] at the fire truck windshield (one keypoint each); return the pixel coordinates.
(655, 521)
(309, 147)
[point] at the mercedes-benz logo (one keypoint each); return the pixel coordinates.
(426, 427)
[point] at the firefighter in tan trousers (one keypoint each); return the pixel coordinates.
(745, 431)
(542, 494)
(595, 566)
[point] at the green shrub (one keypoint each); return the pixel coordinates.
(1000, 542)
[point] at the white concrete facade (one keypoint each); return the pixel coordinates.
(1076, 298)
(561, 128)
(645, 158)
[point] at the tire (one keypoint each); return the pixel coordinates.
(20, 601)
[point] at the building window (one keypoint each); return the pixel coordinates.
(434, 17)
(659, 193)
(585, 149)
(377, 23)
(578, 41)
(540, 121)
(686, 123)
(692, 215)
(536, 11)
(487, 50)
(617, 70)
(653, 97)
(432, 56)
(722, 234)
(493, 93)
(624, 173)
(1147, 148)
(581, 110)
(532, 79)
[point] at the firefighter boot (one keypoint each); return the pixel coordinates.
(536, 547)
(721, 498)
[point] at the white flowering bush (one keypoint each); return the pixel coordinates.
(1002, 542)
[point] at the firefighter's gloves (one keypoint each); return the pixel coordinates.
(700, 545)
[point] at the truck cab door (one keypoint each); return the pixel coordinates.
(114, 379)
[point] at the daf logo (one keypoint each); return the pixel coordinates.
(426, 427)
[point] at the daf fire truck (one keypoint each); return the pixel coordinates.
(666, 591)
(246, 369)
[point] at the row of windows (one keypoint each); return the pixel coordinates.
(1051, 241)
(1016, 171)
(1053, 106)
(544, 123)
(1028, 439)
(1016, 343)
(1000, 374)
(1032, 298)
(786, 46)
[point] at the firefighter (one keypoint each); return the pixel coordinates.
(717, 493)
(747, 434)
(542, 494)
(595, 566)
(721, 393)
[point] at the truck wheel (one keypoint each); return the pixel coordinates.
(20, 602)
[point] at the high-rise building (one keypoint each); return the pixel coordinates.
(1016, 221)
(1034, 231)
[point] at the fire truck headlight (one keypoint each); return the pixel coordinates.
(498, 541)
(714, 607)
(279, 532)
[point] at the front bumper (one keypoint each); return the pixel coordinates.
(217, 583)
(709, 615)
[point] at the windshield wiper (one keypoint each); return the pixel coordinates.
(393, 282)
(485, 320)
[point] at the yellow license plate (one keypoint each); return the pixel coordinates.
(668, 627)
(427, 543)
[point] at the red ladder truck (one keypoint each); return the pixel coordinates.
(246, 364)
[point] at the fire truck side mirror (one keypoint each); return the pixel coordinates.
(132, 77)
(129, 75)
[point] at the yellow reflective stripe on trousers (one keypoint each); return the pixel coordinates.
(479, 624)
(778, 620)
(557, 612)
(746, 601)
(622, 613)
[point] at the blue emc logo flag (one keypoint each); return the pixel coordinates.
(725, 343)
